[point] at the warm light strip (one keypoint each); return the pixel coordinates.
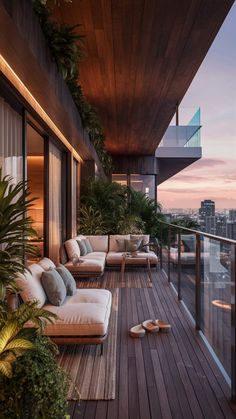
(6, 69)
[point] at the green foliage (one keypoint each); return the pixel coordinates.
(91, 221)
(186, 222)
(38, 386)
(15, 339)
(15, 230)
(66, 47)
(109, 208)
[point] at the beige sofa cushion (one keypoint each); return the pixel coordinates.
(72, 248)
(113, 246)
(86, 313)
(99, 243)
(46, 264)
(94, 255)
(115, 258)
(31, 286)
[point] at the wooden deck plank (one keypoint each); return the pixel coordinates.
(164, 375)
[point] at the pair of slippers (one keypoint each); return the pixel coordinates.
(151, 326)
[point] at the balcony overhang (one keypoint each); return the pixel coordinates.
(141, 59)
(171, 160)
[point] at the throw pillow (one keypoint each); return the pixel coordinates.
(121, 245)
(82, 246)
(132, 245)
(67, 279)
(54, 287)
(145, 241)
(88, 246)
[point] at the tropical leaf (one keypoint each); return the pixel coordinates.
(6, 368)
(19, 344)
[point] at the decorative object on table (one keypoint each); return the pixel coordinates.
(137, 331)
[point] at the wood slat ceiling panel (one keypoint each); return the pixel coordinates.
(141, 58)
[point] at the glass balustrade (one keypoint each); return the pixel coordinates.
(201, 268)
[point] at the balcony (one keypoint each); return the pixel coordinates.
(186, 373)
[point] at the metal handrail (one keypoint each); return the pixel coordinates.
(202, 233)
(198, 287)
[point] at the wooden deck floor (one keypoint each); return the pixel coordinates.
(160, 376)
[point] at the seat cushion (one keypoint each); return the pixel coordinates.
(113, 245)
(54, 287)
(30, 284)
(86, 313)
(72, 248)
(94, 255)
(99, 243)
(115, 258)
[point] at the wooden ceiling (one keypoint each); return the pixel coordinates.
(141, 58)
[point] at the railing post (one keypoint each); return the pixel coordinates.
(198, 284)
(168, 269)
(233, 323)
(179, 266)
(160, 247)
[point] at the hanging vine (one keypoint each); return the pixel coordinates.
(67, 49)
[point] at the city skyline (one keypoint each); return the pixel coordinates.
(213, 89)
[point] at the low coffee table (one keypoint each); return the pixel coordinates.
(126, 257)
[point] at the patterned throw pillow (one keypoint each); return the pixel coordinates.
(82, 247)
(132, 245)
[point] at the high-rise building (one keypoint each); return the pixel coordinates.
(207, 216)
(207, 208)
(232, 215)
(231, 230)
(221, 225)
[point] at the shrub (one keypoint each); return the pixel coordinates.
(38, 386)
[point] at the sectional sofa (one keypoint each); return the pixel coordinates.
(105, 252)
(82, 317)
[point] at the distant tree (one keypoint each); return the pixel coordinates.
(186, 222)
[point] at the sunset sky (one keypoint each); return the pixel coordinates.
(214, 90)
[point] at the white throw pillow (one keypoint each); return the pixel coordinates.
(72, 248)
(46, 264)
(30, 284)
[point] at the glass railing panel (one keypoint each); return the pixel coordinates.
(216, 298)
(188, 271)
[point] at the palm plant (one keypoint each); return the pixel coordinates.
(15, 231)
(91, 221)
(106, 197)
(15, 339)
(114, 209)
